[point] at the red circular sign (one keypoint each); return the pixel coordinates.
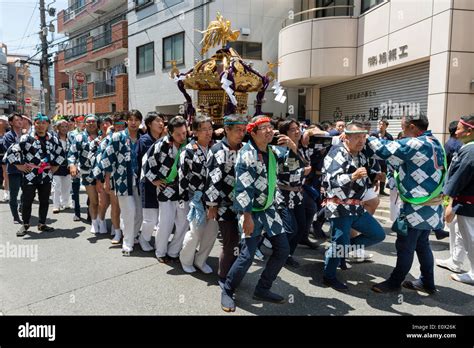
(80, 77)
(27, 100)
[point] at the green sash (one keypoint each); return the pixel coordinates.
(435, 193)
(174, 169)
(272, 179)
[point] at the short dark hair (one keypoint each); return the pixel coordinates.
(134, 113)
(284, 126)
(452, 128)
(176, 122)
(233, 118)
(150, 117)
(326, 125)
(199, 120)
(119, 116)
(107, 119)
(13, 115)
(468, 118)
(355, 124)
(384, 121)
(420, 121)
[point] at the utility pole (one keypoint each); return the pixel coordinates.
(44, 59)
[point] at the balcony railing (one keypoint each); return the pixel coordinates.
(75, 51)
(102, 40)
(74, 9)
(312, 13)
(104, 88)
(81, 93)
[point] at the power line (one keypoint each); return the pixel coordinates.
(28, 25)
(143, 30)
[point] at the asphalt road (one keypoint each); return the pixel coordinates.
(73, 272)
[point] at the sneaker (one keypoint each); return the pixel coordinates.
(117, 238)
(188, 269)
(267, 295)
(309, 244)
(95, 226)
(359, 256)
(418, 286)
(17, 221)
(335, 284)
(76, 218)
(291, 262)
(145, 245)
(45, 228)
(465, 278)
(385, 287)
(162, 259)
(343, 265)
(448, 264)
(267, 243)
(126, 250)
(22, 231)
(103, 227)
(259, 256)
(56, 211)
(227, 301)
(206, 269)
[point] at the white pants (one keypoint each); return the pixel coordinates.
(171, 214)
(150, 220)
(62, 191)
(466, 236)
(395, 204)
(204, 236)
(130, 216)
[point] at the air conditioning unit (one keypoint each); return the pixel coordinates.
(102, 64)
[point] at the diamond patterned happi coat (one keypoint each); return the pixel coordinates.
(29, 150)
(420, 166)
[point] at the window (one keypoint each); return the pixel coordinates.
(139, 4)
(145, 58)
(341, 11)
(169, 3)
(248, 50)
(173, 49)
(368, 4)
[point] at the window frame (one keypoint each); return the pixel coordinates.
(243, 52)
(164, 62)
(138, 72)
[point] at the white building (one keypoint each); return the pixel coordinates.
(381, 58)
(160, 31)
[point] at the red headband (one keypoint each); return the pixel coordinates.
(466, 124)
(251, 126)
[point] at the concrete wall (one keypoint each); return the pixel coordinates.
(155, 91)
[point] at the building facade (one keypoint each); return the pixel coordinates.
(97, 46)
(162, 31)
(373, 59)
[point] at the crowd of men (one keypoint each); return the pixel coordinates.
(257, 181)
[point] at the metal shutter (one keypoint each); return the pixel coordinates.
(403, 85)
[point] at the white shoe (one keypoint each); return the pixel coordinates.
(258, 255)
(95, 226)
(102, 227)
(206, 269)
(117, 238)
(6, 196)
(126, 250)
(359, 256)
(188, 269)
(267, 243)
(145, 245)
(463, 278)
(448, 264)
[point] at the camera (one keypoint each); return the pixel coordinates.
(275, 138)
